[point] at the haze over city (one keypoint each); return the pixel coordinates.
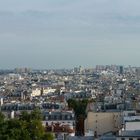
(68, 33)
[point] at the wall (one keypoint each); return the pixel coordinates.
(103, 122)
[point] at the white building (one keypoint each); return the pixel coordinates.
(48, 90)
(131, 126)
(36, 92)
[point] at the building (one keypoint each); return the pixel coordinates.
(103, 122)
(48, 90)
(131, 126)
(36, 92)
(60, 122)
(121, 71)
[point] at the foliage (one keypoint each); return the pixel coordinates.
(47, 136)
(79, 107)
(27, 127)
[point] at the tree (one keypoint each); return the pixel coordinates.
(27, 127)
(79, 107)
(36, 114)
(2, 126)
(34, 125)
(16, 130)
(25, 116)
(47, 136)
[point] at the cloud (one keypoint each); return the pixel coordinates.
(91, 29)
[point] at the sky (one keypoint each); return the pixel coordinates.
(47, 34)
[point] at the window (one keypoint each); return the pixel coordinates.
(130, 138)
(68, 117)
(63, 117)
(138, 138)
(122, 138)
(46, 117)
(58, 117)
(131, 114)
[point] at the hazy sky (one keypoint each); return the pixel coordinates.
(68, 33)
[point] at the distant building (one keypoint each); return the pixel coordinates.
(36, 92)
(48, 90)
(121, 70)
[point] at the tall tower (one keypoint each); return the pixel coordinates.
(121, 70)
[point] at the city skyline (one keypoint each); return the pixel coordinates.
(64, 34)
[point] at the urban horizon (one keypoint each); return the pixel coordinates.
(60, 68)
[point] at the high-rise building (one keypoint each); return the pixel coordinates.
(121, 70)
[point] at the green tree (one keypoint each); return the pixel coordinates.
(16, 130)
(79, 107)
(2, 126)
(47, 136)
(25, 116)
(27, 127)
(36, 114)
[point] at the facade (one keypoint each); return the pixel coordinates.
(59, 122)
(130, 136)
(48, 90)
(103, 122)
(131, 126)
(36, 92)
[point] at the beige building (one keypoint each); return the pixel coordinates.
(36, 92)
(48, 90)
(103, 122)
